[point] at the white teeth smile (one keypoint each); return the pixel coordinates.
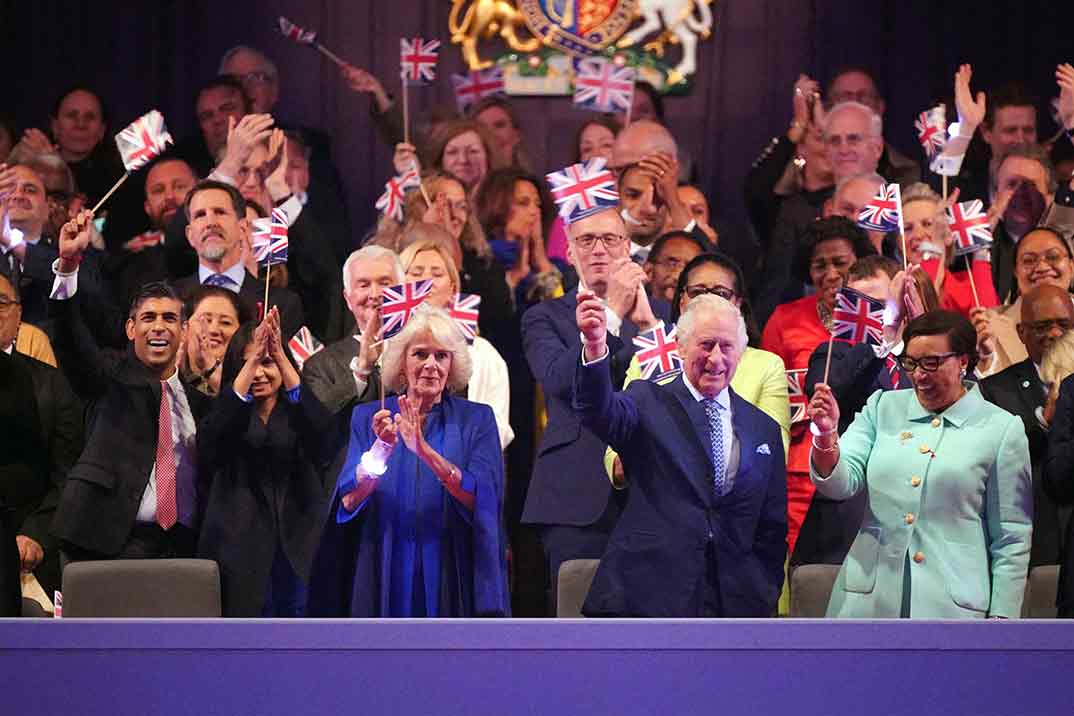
(158, 343)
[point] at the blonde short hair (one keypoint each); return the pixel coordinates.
(427, 320)
(406, 258)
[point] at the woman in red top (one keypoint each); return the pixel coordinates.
(827, 250)
(931, 245)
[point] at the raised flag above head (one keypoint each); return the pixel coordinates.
(601, 85)
(658, 353)
(269, 241)
(465, 310)
(143, 140)
(858, 318)
(304, 345)
(799, 401)
(293, 32)
(969, 225)
(399, 302)
(884, 211)
(931, 126)
(390, 202)
(583, 189)
(417, 59)
(476, 85)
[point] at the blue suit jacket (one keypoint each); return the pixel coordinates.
(569, 485)
(656, 558)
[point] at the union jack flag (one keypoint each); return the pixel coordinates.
(417, 59)
(303, 346)
(143, 140)
(858, 318)
(884, 211)
(390, 202)
(477, 85)
(931, 126)
(269, 240)
(293, 32)
(602, 86)
(399, 302)
(658, 353)
(796, 392)
(581, 189)
(968, 223)
(465, 310)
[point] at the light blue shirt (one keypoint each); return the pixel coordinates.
(236, 273)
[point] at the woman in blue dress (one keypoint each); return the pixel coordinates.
(414, 528)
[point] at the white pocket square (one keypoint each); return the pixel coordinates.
(762, 449)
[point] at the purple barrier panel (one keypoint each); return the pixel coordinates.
(792, 667)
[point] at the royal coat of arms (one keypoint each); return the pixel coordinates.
(578, 27)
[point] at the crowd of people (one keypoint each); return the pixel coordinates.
(154, 403)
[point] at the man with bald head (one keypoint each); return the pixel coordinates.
(1047, 316)
(570, 498)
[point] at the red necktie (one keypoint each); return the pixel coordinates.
(166, 509)
(893, 371)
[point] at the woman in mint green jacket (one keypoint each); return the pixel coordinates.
(947, 531)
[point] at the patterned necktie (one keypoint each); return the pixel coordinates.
(167, 513)
(220, 280)
(719, 480)
(893, 371)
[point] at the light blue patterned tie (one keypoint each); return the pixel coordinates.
(220, 280)
(712, 411)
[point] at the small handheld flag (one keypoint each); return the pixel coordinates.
(465, 310)
(884, 211)
(269, 240)
(858, 318)
(583, 189)
(417, 59)
(304, 345)
(143, 140)
(799, 401)
(658, 353)
(969, 225)
(293, 32)
(931, 126)
(601, 85)
(390, 202)
(399, 302)
(476, 85)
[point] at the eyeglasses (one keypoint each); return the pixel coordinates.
(929, 364)
(586, 242)
(1045, 327)
(256, 77)
(670, 262)
(1053, 258)
(722, 291)
(6, 304)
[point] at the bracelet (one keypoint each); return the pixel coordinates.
(818, 448)
(818, 432)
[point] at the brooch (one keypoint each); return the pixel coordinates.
(905, 435)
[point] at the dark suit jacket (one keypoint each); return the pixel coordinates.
(100, 500)
(265, 485)
(1019, 390)
(252, 294)
(34, 277)
(830, 526)
(1059, 485)
(40, 447)
(655, 563)
(569, 485)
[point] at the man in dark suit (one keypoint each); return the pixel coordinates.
(25, 253)
(570, 497)
(217, 226)
(41, 421)
(1047, 314)
(134, 491)
(857, 371)
(704, 531)
(345, 373)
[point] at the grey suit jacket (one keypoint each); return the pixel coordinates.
(328, 375)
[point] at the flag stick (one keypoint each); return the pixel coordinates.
(902, 236)
(406, 115)
(421, 185)
(828, 358)
(330, 55)
(944, 177)
(630, 108)
(380, 384)
(268, 275)
(973, 284)
(110, 192)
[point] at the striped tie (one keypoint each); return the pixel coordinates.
(167, 512)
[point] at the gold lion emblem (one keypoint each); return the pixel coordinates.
(483, 20)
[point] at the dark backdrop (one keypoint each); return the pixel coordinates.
(155, 54)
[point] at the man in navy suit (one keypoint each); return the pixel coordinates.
(703, 533)
(570, 498)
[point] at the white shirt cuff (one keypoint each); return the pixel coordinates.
(614, 322)
(983, 371)
(595, 360)
(292, 207)
(217, 175)
(65, 284)
(359, 383)
(947, 165)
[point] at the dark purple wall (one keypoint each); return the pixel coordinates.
(154, 54)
